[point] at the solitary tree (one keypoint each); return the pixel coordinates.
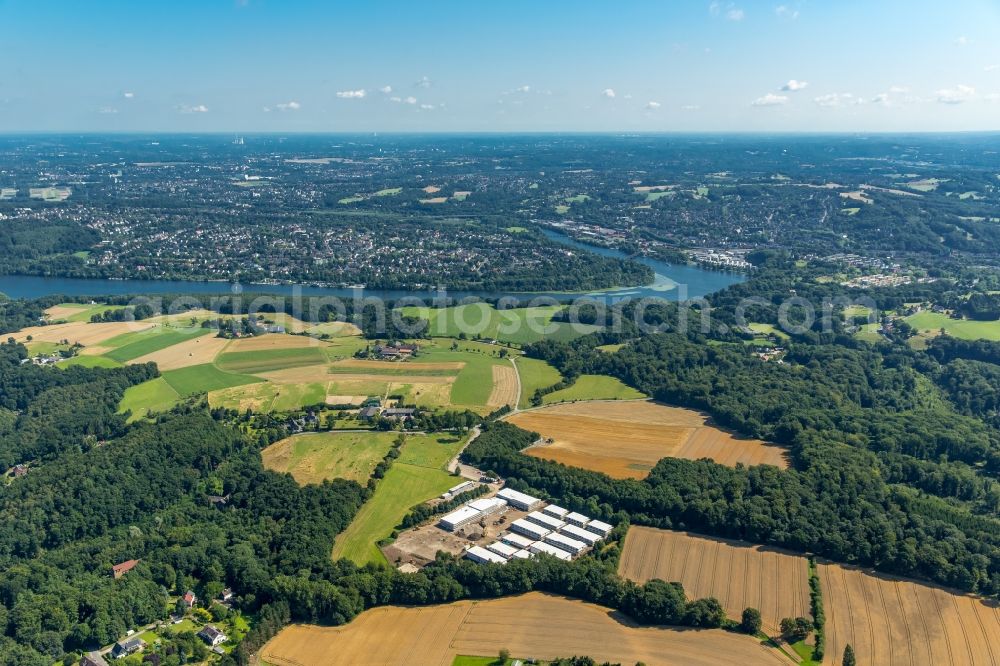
(751, 621)
(849, 656)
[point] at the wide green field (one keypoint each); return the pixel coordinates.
(156, 395)
(204, 378)
(518, 326)
(268, 360)
(931, 323)
(90, 362)
(130, 346)
(535, 374)
(417, 476)
(267, 397)
(313, 457)
(594, 387)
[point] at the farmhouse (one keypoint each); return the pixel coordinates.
(119, 570)
(531, 530)
(212, 635)
(127, 647)
(190, 599)
(399, 413)
(483, 556)
(544, 520)
(93, 659)
(368, 413)
(571, 546)
(519, 500)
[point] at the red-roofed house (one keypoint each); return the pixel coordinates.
(120, 570)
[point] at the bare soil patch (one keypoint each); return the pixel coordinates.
(273, 341)
(85, 333)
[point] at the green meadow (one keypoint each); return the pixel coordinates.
(931, 323)
(594, 387)
(130, 346)
(417, 476)
(518, 326)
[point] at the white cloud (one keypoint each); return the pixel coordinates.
(770, 99)
(424, 82)
(881, 98)
(410, 100)
(523, 89)
(198, 108)
(992, 97)
(838, 99)
(427, 107)
(107, 110)
(652, 105)
(786, 12)
(609, 93)
(956, 95)
(898, 90)
(963, 41)
(691, 107)
(729, 10)
(385, 90)
(351, 94)
(288, 106)
(991, 68)
(128, 95)
(794, 85)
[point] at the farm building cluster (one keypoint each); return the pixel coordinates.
(546, 528)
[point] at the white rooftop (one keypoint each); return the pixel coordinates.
(484, 554)
(544, 519)
(502, 549)
(580, 534)
(459, 515)
(517, 496)
(486, 504)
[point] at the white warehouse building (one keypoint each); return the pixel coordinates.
(516, 540)
(545, 520)
(548, 549)
(580, 534)
(570, 545)
(598, 527)
(483, 556)
(555, 511)
(519, 500)
(459, 518)
(577, 519)
(529, 529)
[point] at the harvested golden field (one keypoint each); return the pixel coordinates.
(396, 366)
(195, 351)
(892, 621)
(532, 625)
(626, 438)
(85, 333)
(737, 574)
(273, 341)
(345, 399)
(506, 390)
(62, 311)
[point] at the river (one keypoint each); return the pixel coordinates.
(672, 282)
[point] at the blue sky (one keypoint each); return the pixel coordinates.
(515, 65)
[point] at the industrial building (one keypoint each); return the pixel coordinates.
(598, 527)
(556, 512)
(570, 545)
(471, 513)
(483, 556)
(580, 534)
(456, 490)
(529, 529)
(516, 540)
(519, 500)
(577, 519)
(459, 518)
(545, 520)
(523, 554)
(548, 549)
(502, 549)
